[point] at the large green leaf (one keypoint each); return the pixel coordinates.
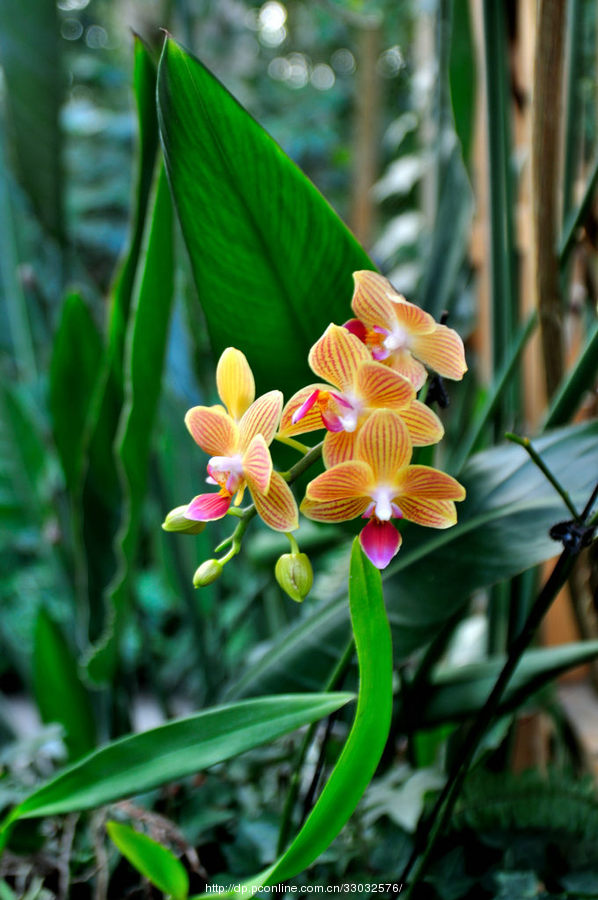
(460, 692)
(30, 59)
(502, 530)
(367, 738)
(154, 861)
(59, 693)
(272, 261)
(140, 762)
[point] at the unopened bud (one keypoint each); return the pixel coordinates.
(176, 520)
(294, 574)
(209, 571)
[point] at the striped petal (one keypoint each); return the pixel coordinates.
(432, 513)
(207, 507)
(235, 383)
(334, 510)
(339, 446)
(311, 421)
(403, 362)
(257, 465)
(262, 417)
(442, 350)
(213, 429)
(423, 424)
(337, 355)
(370, 301)
(379, 387)
(277, 508)
(413, 318)
(380, 542)
(348, 479)
(384, 443)
(424, 481)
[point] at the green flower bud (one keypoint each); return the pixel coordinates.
(177, 521)
(209, 571)
(294, 574)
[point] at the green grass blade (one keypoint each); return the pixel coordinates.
(140, 762)
(155, 862)
(272, 261)
(575, 384)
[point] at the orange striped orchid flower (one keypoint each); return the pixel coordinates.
(379, 484)
(237, 437)
(401, 334)
(356, 386)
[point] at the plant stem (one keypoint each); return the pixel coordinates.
(445, 804)
(291, 442)
(300, 467)
(537, 459)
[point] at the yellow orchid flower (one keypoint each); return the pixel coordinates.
(357, 385)
(401, 334)
(237, 439)
(380, 484)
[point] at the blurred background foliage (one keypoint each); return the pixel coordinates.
(385, 107)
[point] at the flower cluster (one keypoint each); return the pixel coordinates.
(371, 369)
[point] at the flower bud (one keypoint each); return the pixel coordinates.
(177, 521)
(294, 574)
(209, 571)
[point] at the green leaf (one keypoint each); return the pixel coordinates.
(367, 738)
(575, 383)
(141, 762)
(271, 260)
(460, 692)
(154, 861)
(502, 529)
(30, 59)
(462, 76)
(76, 355)
(59, 693)
(144, 366)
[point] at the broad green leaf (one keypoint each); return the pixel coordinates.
(154, 861)
(59, 693)
(271, 260)
(460, 692)
(76, 355)
(367, 738)
(140, 762)
(30, 59)
(102, 495)
(144, 365)
(502, 530)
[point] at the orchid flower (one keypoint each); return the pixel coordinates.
(380, 485)
(356, 386)
(237, 437)
(401, 334)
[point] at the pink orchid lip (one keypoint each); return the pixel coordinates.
(207, 507)
(356, 327)
(305, 407)
(380, 542)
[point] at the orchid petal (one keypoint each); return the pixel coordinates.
(442, 350)
(338, 447)
(278, 507)
(402, 361)
(432, 513)
(207, 507)
(257, 465)
(213, 429)
(380, 542)
(381, 387)
(370, 301)
(235, 382)
(384, 443)
(337, 355)
(424, 481)
(348, 479)
(262, 417)
(334, 510)
(424, 425)
(413, 319)
(311, 420)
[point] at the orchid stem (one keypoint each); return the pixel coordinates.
(300, 467)
(537, 459)
(292, 542)
(291, 442)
